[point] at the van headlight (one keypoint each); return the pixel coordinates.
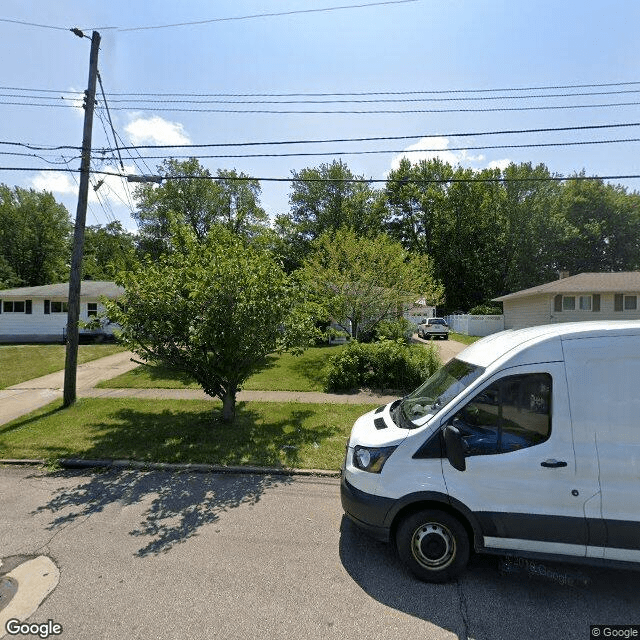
(371, 459)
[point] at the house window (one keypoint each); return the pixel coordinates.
(92, 309)
(571, 303)
(16, 306)
(584, 303)
(58, 306)
(623, 302)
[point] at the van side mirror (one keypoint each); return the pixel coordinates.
(454, 447)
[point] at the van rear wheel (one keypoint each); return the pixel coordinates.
(433, 545)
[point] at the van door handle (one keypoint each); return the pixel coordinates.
(553, 464)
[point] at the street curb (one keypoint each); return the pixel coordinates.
(76, 463)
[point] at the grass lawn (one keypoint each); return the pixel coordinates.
(24, 362)
(293, 435)
(282, 372)
(460, 337)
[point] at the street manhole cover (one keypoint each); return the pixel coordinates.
(8, 588)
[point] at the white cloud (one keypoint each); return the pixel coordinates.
(54, 182)
(156, 130)
(112, 188)
(438, 147)
(499, 164)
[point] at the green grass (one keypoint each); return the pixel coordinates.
(460, 337)
(25, 362)
(293, 435)
(283, 372)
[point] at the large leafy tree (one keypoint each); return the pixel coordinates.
(361, 280)
(193, 196)
(600, 225)
(322, 199)
(455, 217)
(34, 237)
(107, 250)
(212, 308)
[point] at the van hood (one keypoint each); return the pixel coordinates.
(377, 429)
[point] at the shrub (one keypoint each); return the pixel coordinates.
(486, 310)
(398, 329)
(381, 365)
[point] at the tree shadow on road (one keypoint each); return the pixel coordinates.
(494, 602)
(176, 504)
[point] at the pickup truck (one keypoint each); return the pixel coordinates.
(433, 328)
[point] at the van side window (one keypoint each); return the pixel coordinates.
(510, 414)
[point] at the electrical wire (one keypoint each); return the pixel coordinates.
(343, 111)
(555, 178)
(417, 136)
(268, 15)
(397, 151)
(348, 93)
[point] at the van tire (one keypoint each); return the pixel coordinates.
(433, 545)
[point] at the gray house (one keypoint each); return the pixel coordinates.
(39, 314)
(585, 296)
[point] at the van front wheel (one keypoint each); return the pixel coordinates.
(433, 545)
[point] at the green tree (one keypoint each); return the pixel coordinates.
(601, 227)
(361, 281)
(455, 217)
(533, 227)
(34, 236)
(107, 251)
(213, 309)
(191, 195)
(324, 199)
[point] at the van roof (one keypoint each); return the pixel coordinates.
(497, 345)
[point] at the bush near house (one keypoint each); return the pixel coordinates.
(381, 365)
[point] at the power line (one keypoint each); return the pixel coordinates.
(416, 136)
(134, 104)
(383, 151)
(268, 15)
(532, 145)
(33, 24)
(351, 100)
(330, 94)
(327, 94)
(555, 178)
(343, 111)
(467, 134)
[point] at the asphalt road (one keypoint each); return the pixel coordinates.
(197, 556)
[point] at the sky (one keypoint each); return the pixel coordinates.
(431, 69)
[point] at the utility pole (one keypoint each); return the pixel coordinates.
(75, 278)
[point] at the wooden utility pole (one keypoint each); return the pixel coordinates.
(75, 278)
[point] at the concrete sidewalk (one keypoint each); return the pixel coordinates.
(360, 397)
(28, 396)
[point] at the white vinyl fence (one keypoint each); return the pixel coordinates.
(475, 325)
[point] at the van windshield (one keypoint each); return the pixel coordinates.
(444, 385)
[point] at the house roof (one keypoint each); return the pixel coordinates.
(620, 282)
(88, 289)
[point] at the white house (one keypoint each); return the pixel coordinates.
(39, 314)
(585, 296)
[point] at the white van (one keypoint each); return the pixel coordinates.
(528, 442)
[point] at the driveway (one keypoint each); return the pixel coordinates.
(447, 349)
(198, 556)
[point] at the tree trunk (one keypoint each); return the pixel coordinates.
(229, 405)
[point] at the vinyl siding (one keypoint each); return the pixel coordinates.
(539, 309)
(38, 325)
